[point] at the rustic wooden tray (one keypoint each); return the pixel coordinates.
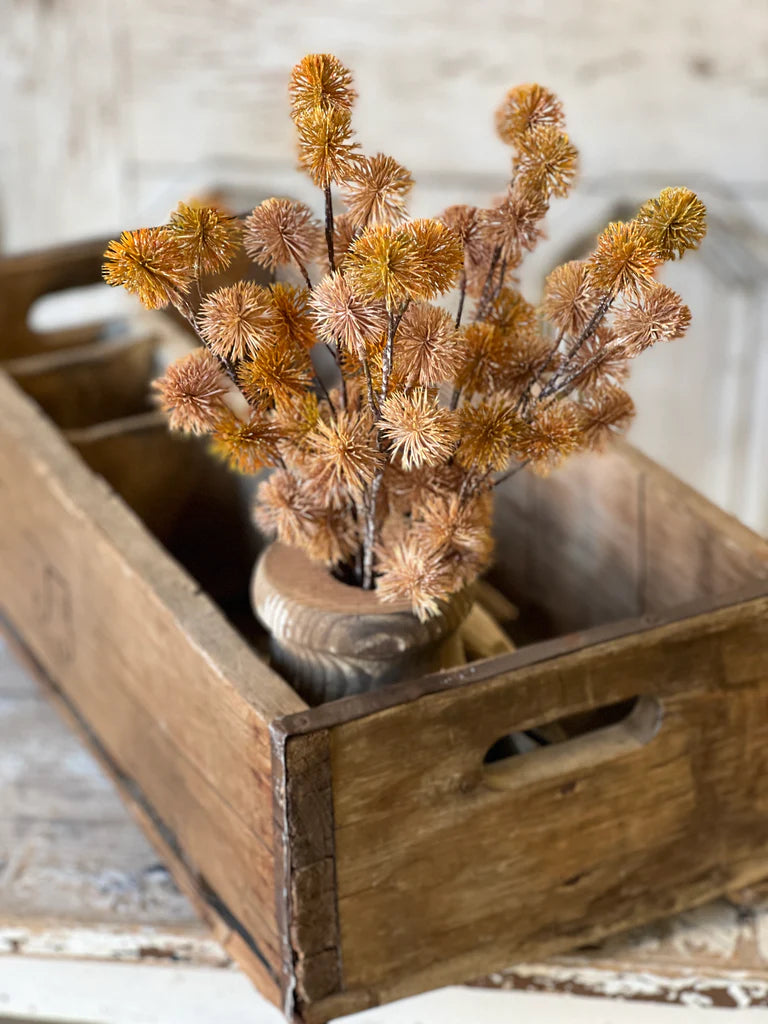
(364, 850)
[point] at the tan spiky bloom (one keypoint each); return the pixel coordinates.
(281, 231)
(208, 238)
(277, 373)
(467, 223)
(459, 528)
(150, 263)
(675, 221)
(333, 538)
(605, 410)
(320, 82)
(526, 107)
(569, 297)
(419, 431)
(295, 420)
(383, 264)
(515, 223)
(624, 259)
(523, 359)
(658, 315)
(439, 255)
(547, 161)
(347, 456)
(428, 350)
(555, 432)
(512, 315)
(237, 320)
(293, 322)
(283, 508)
(344, 232)
(327, 150)
(613, 366)
(488, 431)
(248, 445)
(376, 191)
(410, 572)
(340, 315)
(482, 365)
(192, 391)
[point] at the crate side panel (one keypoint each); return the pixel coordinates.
(447, 868)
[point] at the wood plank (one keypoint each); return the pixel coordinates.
(445, 866)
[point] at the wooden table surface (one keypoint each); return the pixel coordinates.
(83, 895)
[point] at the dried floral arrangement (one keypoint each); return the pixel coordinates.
(384, 469)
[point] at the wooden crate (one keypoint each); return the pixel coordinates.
(364, 850)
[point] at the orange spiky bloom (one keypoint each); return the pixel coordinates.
(428, 350)
(419, 431)
(409, 572)
(276, 373)
(675, 221)
(512, 315)
(488, 432)
(555, 432)
(624, 260)
(208, 238)
(605, 410)
(439, 255)
(569, 297)
(376, 191)
(320, 81)
(547, 161)
(523, 359)
(526, 107)
(612, 366)
(192, 391)
(342, 316)
(248, 445)
(461, 529)
(482, 365)
(237, 320)
(281, 231)
(382, 265)
(295, 419)
(150, 263)
(515, 223)
(293, 323)
(658, 315)
(327, 150)
(347, 455)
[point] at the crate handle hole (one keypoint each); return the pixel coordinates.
(90, 306)
(601, 733)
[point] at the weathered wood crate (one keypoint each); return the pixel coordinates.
(367, 849)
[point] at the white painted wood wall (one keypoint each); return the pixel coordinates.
(111, 110)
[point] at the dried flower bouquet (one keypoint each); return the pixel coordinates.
(384, 469)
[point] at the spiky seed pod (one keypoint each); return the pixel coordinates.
(512, 315)
(209, 238)
(333, 538)
(569, 297)
(523, 360)
(488, 431)
(283, 509)
(346, 453)
(247, 445)
(460, 528)
(293, 323)
(344, 232)
(281, 231)
(295, 420)
(342, 316)
(482, 364)
(376, 191)
(327, 150)
(515, 223)
(675, 221)
(191, 392)
(150, 263)
(277, 373)
(606, 410)
(613, 367)
(419, 431)
(383, 264)
(526, 107)
(320, 81)
(428, 351)
(477, 272)
(547, 161)
(409, 572)
(237, 320)
(554, 433)
(658, 315)
(624, 259)
(466, 222)
(439, 255)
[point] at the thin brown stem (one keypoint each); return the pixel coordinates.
(511, 472)
(482, 305)
(329, 226)
(462, 297)
(304, 274)
(586, 334)
(369, 385)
